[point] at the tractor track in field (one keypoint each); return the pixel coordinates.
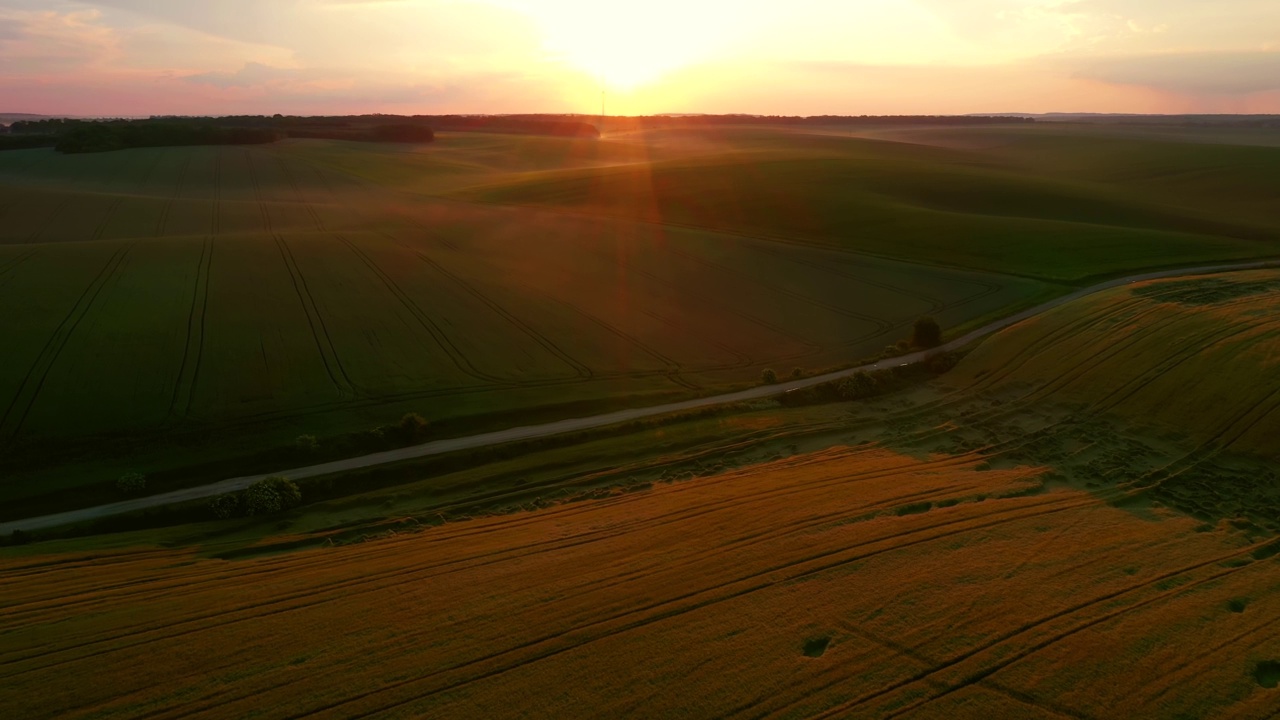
(978, 675)
(938, 305)
(583, 371)
(101, 230)
(345, 387)
(215, 216)
(341, 381)
(1017, 405)
(299, 196)
(17, 261)
(375, 582)
(660, 611)
(489, 557)
(881, 472)
(813, 348)
(437, 333)
(115, 203)
(184, 390)
(673, 368)
(163, 221)
(15, 415)
(441, 338)
(935, 304)
(744, 360)
(880, 324)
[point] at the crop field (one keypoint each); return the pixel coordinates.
(170, 304)
(834, 583)
(1195, 356)
(1048, 202)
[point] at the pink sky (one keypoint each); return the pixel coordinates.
(142, 57)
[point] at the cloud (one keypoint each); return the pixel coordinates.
(10, 29)
(255, 74)
(1213, 73)
(51, 41)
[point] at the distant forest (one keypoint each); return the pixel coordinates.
(82, 136)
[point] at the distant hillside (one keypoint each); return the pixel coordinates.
(1140, 119)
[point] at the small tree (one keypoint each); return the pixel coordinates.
(307, 443)
(797, 373)
(131, 483)
(926, 333)
(413, 427)
(769, 377)
(862, 384)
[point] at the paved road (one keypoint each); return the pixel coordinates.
(575, 424)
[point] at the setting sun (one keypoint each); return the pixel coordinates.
(629, 46)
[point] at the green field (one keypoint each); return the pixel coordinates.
(1053, 203)
(168, 308)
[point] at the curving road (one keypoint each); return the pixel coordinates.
(438, 447)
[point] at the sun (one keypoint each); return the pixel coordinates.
(628, 45)
(623, 59)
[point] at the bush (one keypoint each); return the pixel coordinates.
(797, 373)
(307, 443)
(413, 427)
(769, 377)
(926, 333)
(270, 496)
(939, 363)
(265, 497)
(131, 483)
(225, 507)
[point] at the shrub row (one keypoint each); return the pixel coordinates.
(265, 497)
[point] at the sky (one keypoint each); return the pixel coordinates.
(794, 57)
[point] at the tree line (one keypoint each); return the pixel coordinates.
(86, 136)
(80, 136)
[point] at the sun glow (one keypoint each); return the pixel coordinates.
(629, 45)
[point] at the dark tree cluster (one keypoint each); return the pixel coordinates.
(78, 136)
(926, 333)
(552, 125)
(84, 136)
(87, 137)
(26, 142)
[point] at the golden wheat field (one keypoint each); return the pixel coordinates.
(848, 582)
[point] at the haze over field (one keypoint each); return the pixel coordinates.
(141, 57)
